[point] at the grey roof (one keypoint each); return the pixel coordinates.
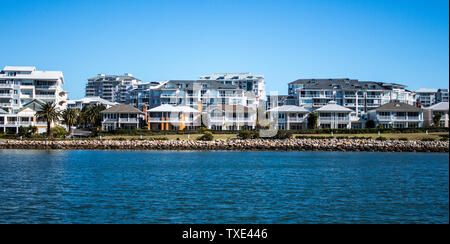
(289, 108)
(35, 104)
(442, 106)
(332, 106)
(230, 108)
(344, 83)
(122, 108)
(3, 111)
(398, 106)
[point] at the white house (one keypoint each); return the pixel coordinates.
(122, 116)
(430, 112)
(397, 115)
(230, 117)
(289, 117)
(334, 116)
(26, 116)
(170, 117)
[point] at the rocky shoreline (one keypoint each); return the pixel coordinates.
(368, 145)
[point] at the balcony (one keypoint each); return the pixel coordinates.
(128, 120)
(295, 119)
(171, 120)
(7, 95)
(45, 96)
(6, 85)
(45, 87)
(347, 119)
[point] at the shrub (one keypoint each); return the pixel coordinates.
(403, 139)
(381, 138)
(246, 134)
(58, 132)
(283, 134)
(207, 136)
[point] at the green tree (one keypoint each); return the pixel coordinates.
(312, 120)
(49, 113)
(90, 115)
(70, 117)
(436, 119)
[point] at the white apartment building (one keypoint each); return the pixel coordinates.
(20, 85)
(427, 97)
(230, 117)
(397, 115)
(198, 94)
(86, 101)
(359, 96)
(254, 84)
(114, 88)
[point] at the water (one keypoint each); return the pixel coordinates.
(222, 187)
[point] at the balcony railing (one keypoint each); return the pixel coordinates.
(401, 118)
(174, 120)
(6, 95)
(45, 96)
(334, 118)
(6, 85)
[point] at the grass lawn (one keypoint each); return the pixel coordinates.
(409, 136)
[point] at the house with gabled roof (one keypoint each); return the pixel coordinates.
(397, 115)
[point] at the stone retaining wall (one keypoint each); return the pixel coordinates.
(236, 144)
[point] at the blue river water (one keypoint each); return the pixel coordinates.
(38, 186)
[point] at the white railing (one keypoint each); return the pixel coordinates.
(6, 85)
(384, 117)
(6, 94)
(45, 96)
(290, 119)
(128, 120)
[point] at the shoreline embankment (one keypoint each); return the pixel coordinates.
(357, 145)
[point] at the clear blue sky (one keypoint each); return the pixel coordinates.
(390, 41)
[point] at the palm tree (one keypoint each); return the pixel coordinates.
(91, 114)
(70, 117)
(49, 113)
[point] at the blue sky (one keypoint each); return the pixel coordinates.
(390, 41)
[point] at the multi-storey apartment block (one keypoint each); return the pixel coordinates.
(20, 85)
(427, 97)
(89, 101)
(360, 96)
(274, 101)
(197, 94)
(114, 88)
(248, 82)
